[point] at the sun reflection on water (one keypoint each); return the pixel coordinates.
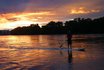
(49, 59)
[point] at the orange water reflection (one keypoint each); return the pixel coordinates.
(25, 41)
(49, 59)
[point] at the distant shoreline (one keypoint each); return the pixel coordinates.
(55, 34)
(76, 26)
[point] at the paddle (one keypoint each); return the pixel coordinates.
(62, 44)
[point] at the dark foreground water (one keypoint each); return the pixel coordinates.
(30, 58)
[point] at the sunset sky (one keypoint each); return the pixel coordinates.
(14, 13)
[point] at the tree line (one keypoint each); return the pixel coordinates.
(76, 26)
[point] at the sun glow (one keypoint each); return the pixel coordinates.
(23, 22)
(12, 25)
(13, 20)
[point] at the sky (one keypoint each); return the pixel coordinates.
(14, 13)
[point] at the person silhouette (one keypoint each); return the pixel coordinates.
(69, 39)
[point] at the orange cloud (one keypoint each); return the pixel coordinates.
(23, 16)
(82, 10)
(12, 20)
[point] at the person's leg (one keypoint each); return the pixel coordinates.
(68, 45)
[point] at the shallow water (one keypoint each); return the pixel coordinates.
(39, 59)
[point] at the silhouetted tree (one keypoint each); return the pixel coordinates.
(78, 26)
(29, 30)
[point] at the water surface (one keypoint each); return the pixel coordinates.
(33, 59)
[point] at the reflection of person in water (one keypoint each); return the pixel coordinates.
(69, 56)
(69, 39)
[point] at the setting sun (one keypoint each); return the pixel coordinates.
(12, 25)
(21, 23)
(26, 12)
(13, 20)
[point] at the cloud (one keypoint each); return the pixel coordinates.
(49, 10)
(82, 10)
(58, 6)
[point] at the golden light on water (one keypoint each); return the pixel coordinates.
(17, 41)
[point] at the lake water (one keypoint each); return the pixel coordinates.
(30, 58)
